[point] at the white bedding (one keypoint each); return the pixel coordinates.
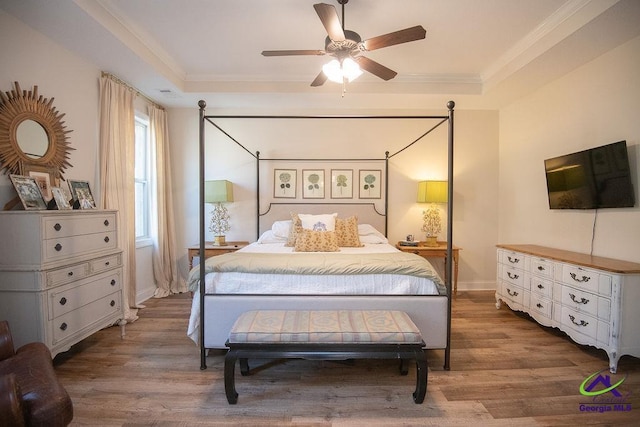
(289, 284)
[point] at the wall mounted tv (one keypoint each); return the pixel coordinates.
(591, 179)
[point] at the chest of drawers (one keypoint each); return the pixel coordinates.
(592, 299)
(60, 275)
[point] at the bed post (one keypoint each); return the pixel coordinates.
(386, 193)
(203, 360)
(257, 195)
(448, 267)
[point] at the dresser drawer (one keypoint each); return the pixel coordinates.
(66, 247)
(541, 286)
(70, 298)
(513, 259)
(65, 226)
(541, 305)
(67, 274)
(105, 263)
(586, 279)
(512, 275)
(580, 322)
(512, 293)
(586, 302)
(75, 321)
(542, 267)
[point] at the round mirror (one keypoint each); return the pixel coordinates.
(32, 139)
(31, 132)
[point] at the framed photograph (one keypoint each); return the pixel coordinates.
(342, 183)
(45, 177)
(284, 183)
(61, 198)
(29, 192)
(313, 184)
(370, 184)
(81, 192)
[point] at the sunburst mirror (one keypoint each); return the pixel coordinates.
(32, 133)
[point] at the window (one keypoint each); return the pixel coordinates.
(142, 178)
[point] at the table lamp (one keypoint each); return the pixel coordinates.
(219, 192)
(432, 192)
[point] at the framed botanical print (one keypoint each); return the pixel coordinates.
(341, 183)
(81, 192)
(370, 184)
(284, 183)
(29, 192)
(313, 184)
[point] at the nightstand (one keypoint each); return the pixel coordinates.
(212, 250)
(439, 251)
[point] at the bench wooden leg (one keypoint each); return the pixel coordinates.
(244, 366)
(229, 377)
(404, 367)
(421, 377)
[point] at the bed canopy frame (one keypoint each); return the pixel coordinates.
(211, 119)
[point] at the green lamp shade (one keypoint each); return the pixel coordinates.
(218, 191)
(433, 192)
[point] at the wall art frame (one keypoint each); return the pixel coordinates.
(342, 183)
(285, 183)
(28, 192)
(370, 183)
(313, 183)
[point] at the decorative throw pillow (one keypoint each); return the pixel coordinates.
(347, 232)
(296, 227)
(316, 241)
(323, 222)
(281, 228)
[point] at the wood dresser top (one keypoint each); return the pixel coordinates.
(585, 260)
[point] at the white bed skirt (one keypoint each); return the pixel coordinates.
(428, 312)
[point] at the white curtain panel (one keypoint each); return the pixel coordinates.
(117, 151)
(165, 270)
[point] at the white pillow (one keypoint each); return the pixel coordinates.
(270, 237)
(368, 234)
(281, 228)
(323, 222)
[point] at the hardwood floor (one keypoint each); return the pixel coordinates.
(506, 370)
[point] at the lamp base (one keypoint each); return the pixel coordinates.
(431, 241)
(219, 241)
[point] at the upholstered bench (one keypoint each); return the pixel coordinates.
(324, 335)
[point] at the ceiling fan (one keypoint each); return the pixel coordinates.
(347, 47)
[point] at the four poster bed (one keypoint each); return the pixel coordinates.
(293, 266)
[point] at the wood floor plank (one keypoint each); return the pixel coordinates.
(506, 371)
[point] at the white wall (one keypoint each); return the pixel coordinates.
(475, 183)
(597, 104)
(33, 59)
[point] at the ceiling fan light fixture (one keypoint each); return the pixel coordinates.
(337, 72)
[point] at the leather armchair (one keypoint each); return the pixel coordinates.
(30, 393)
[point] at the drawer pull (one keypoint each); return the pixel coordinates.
(539, 305)
(512, 293)
(584, 279)
(540, 268)
(581, 323)
(113, 282)
(540, 286)
(513, 260)
(63, 301)
(70, 273)
(57, 227)
(63, 326)
(106, 239)
(112, 303)
(581, 301)
(106, 223)
(512, 276)
(107, 263)
(58, 247)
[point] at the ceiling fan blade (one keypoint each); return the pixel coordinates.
(397, 37)
(375, 68)
(330, 20)
(292, 52)
(319, 80)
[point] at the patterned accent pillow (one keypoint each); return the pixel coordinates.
(322, 222)
(316, 241)
(347, 232)
(296, 227)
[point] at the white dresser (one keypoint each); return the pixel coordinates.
(60, 275)
(592, 299)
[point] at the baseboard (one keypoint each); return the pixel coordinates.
(476, 286)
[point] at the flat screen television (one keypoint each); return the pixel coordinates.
(591, 179)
